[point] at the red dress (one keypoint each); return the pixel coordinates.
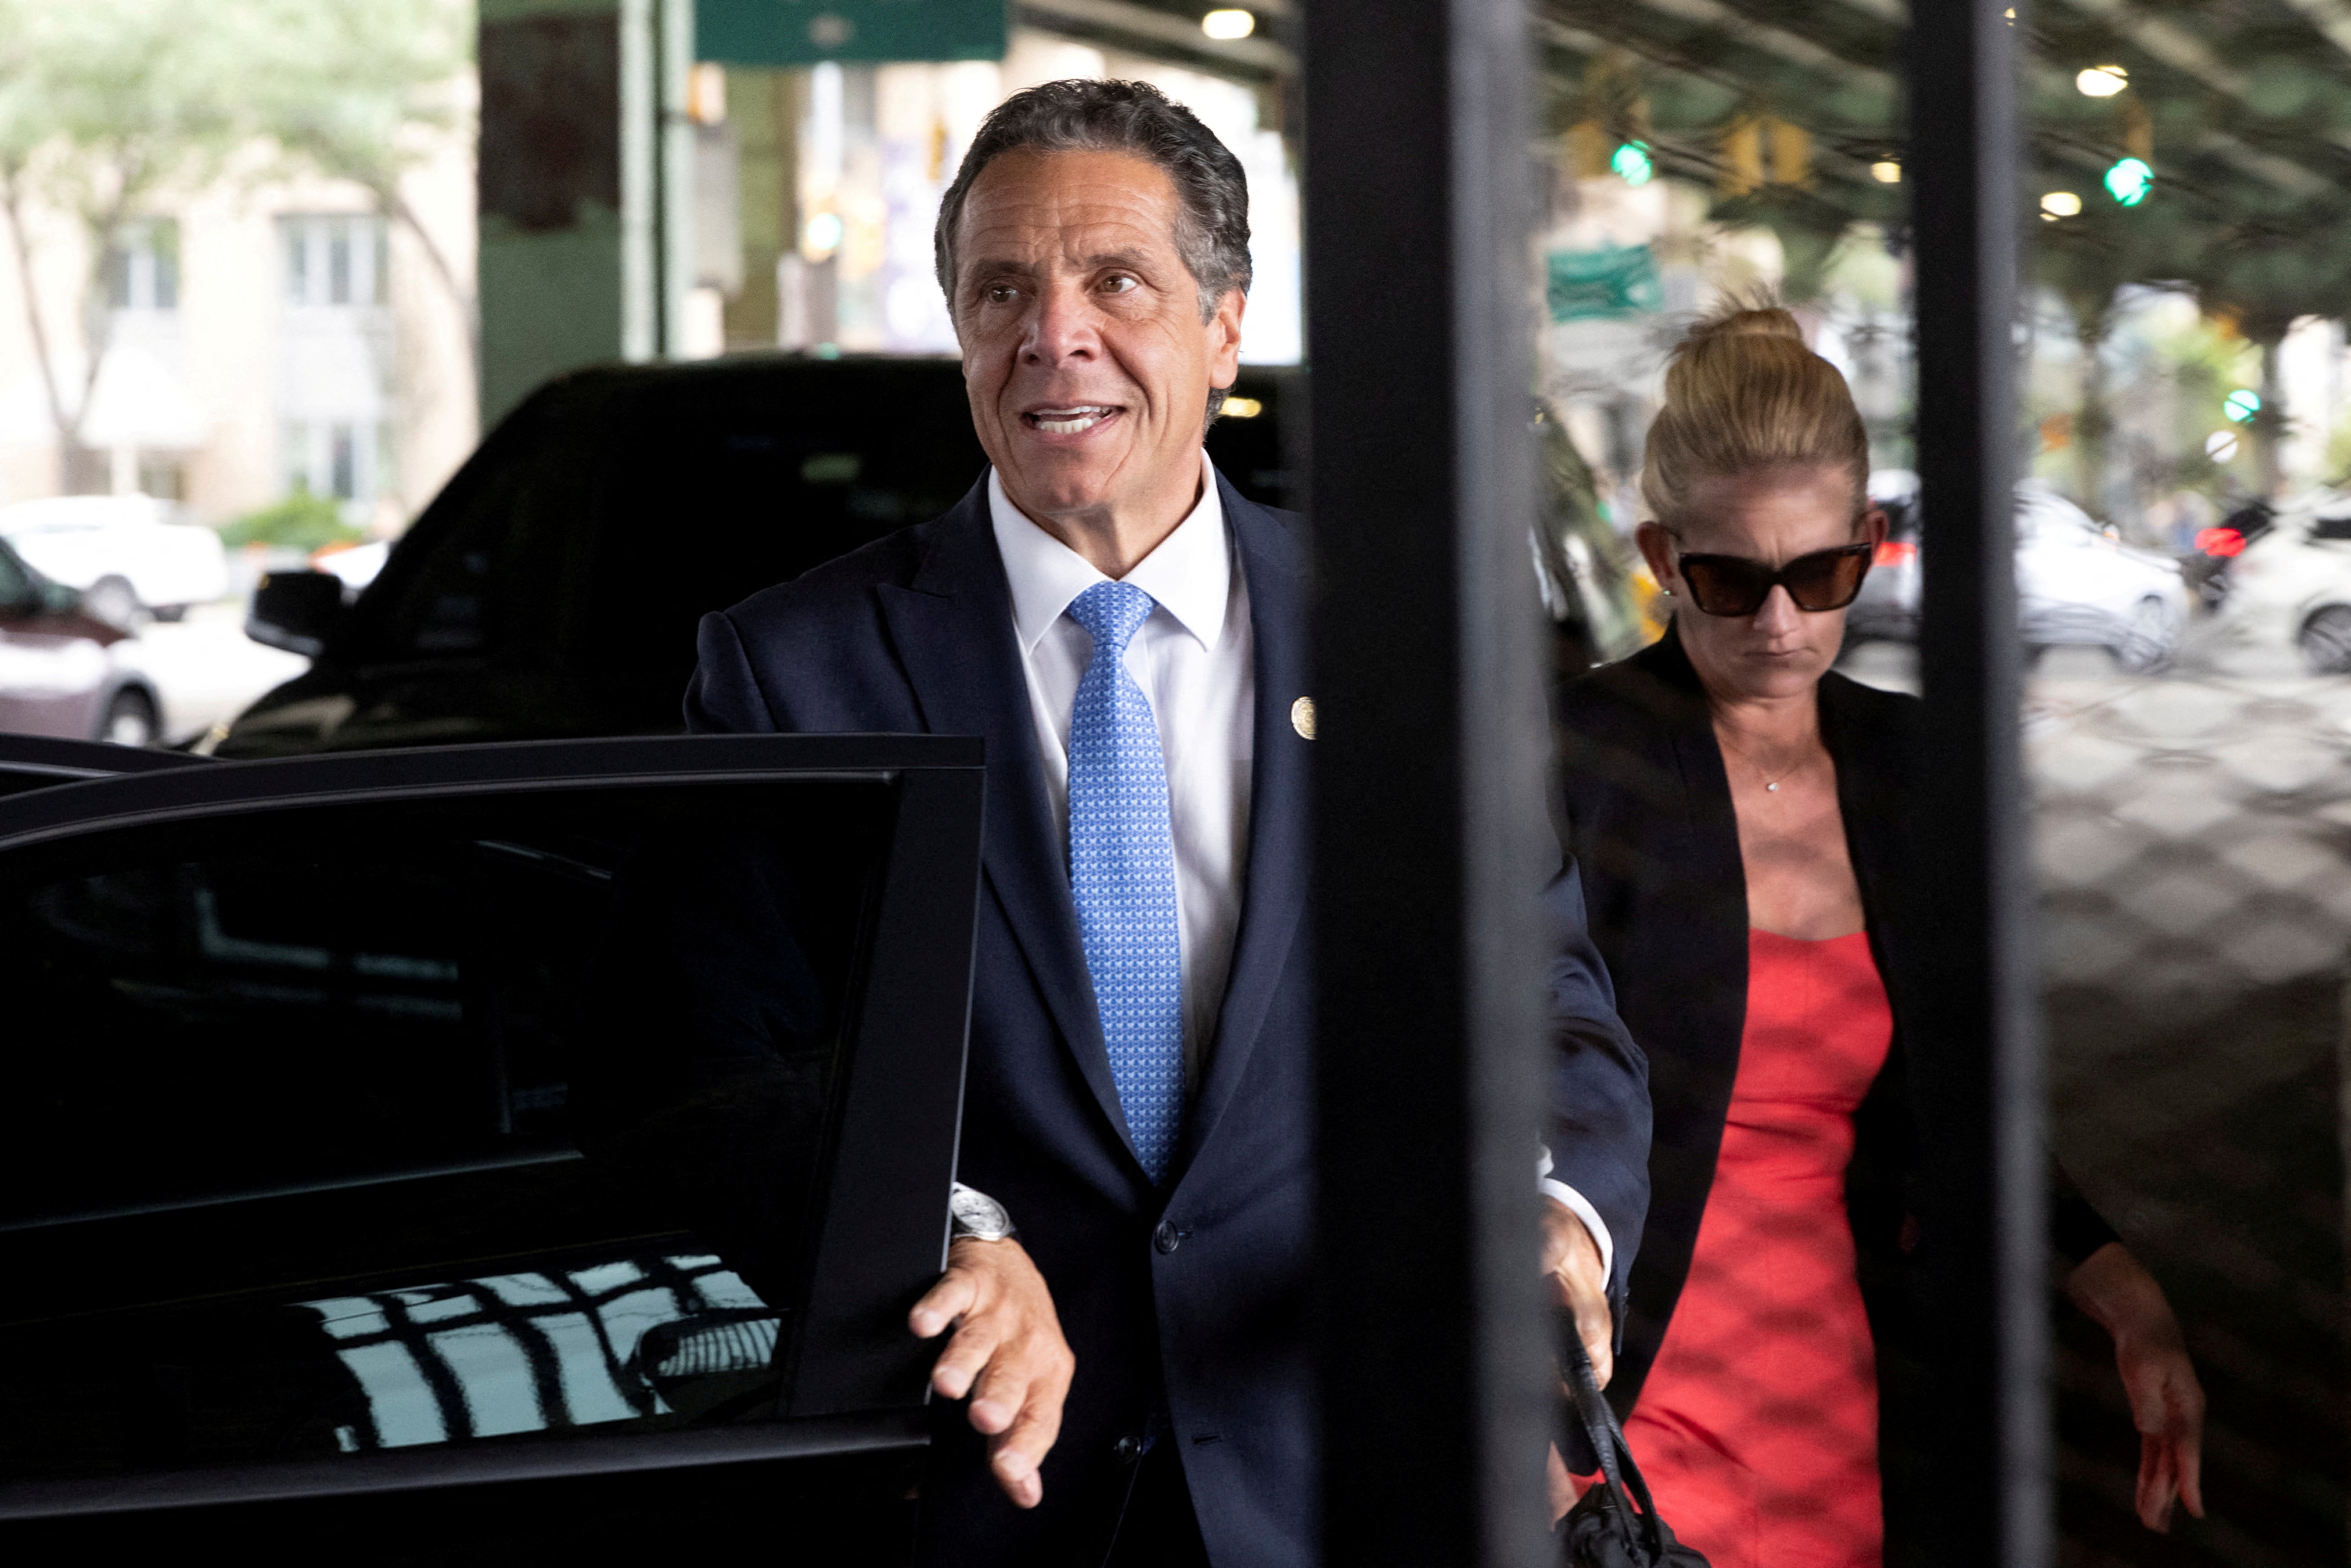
(1757, 1427)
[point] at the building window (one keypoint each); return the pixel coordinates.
(337, 459)
(342, 463)
(141, 268)
(334, 259)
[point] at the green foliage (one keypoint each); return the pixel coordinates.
(341, 87)
(106, 105)
(301, 521)
(2339, 453)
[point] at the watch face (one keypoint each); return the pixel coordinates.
(977, 1214)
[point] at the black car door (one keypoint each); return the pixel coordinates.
(475, 1115)
(40, 762)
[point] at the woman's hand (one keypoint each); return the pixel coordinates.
(2167, 1402)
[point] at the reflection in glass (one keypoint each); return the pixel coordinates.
(486, 1120)
(2185, 583)
(541, 1352)
(2183, 395)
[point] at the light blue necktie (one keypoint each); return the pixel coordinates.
(1123, 873)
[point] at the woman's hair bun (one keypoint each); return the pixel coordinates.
(1742, 321)
(1744, 392)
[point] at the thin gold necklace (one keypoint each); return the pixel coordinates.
(1771, 776)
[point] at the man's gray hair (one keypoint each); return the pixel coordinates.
(1212, 231)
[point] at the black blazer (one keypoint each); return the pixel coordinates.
(1648, 815)
(1197, 1295)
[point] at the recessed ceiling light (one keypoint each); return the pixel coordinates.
(2102, 81)
(1226, 25)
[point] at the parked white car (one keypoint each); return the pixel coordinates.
(2077, 584)
(2292, 584)
(123, 553)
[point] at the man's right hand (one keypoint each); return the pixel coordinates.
(1008, 1354)
(1571, 1265)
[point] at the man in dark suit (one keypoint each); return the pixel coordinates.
(1129, 635)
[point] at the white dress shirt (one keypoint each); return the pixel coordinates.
(1195, 659)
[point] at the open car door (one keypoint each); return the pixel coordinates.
(481, 1115)
(39, 761)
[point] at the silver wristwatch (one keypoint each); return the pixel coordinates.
(974, 1214)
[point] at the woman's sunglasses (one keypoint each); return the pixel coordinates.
(1733, 585)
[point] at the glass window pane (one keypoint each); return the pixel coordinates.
(164, 238)
(295, 236)
(2183, 383)
(1699, 160)
(420, 1124)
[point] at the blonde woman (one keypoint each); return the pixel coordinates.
(1736, 806)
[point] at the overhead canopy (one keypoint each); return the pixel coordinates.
(2243, 114)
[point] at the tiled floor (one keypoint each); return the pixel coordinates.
(2192, 849)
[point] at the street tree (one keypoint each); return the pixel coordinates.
(360, 90)
(104, 104)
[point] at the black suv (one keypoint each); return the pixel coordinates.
(553, 588)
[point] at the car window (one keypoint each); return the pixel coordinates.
(329, 1132)
(2332, 527)
(495, 551)
(758, 472)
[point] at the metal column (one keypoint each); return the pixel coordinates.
(1980, 1090)
(1431, 837)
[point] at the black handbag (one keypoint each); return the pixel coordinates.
(1602, 1530)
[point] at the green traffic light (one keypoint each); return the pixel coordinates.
(2130, 181)
(1632, 163)
(2242, 404)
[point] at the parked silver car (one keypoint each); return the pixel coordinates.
(65, 672)
(2078, 585)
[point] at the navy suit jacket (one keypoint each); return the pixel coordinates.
(1198, 1294)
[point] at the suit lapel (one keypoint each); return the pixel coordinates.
(1273, 568)
(953, 631)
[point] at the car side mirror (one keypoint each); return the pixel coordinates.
(296, 611)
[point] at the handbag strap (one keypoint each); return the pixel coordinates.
(1619, 1474)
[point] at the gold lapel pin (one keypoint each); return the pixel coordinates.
(1301, 717)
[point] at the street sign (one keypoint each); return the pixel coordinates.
(809, 32)
(1599, 284)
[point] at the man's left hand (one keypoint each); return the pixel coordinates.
(1008, 1354)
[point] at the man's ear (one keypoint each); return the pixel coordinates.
(1224, 331)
